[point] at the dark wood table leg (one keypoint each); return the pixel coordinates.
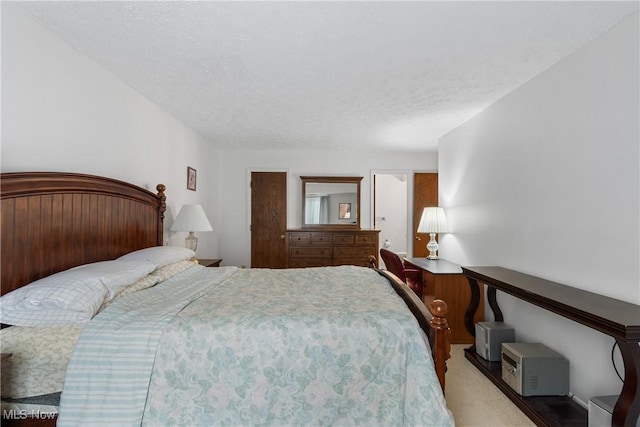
(473, 306)
(627, 409)
(493, 303)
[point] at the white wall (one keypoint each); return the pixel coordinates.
(63, 112)
(235, 172)
(547, 181)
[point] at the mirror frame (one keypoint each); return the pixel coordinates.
(331, 180)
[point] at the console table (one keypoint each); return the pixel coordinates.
(618, 319)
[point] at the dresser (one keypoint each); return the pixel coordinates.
(326, 247)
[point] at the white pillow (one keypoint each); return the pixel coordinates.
(116, 274)
(70, 297)
(160, 255)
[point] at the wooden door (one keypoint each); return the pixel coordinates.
(425, 194)
(268, 219)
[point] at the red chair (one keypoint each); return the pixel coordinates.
(410, 276)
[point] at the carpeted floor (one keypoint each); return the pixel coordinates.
(474, 400)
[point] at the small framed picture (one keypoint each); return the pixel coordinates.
(344, 210)
(191, 179)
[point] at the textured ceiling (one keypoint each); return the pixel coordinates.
(327, 75)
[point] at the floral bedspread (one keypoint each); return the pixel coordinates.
(315, 346)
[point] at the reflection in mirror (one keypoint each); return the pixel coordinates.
(331, 201)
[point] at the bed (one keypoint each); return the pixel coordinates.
(320, 352)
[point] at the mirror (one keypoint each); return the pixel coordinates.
(331, 201)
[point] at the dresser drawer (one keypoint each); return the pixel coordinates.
(314, 252)
(297, 239)
(367, 239)
(318, 239)
(353, 251)
(344, 239)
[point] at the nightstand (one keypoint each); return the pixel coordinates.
(444, 280)
(210, 262)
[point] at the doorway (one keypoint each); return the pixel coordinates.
(390, 210)
(398, 198)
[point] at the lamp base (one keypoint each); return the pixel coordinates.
(432, 246)
(191, 241)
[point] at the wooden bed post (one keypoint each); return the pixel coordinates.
(372, 262)
(161, 210)
(440, 334)
(163, 200)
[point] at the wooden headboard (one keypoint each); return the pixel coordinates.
(54, 221)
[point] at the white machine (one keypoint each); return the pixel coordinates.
(601, 411)
(533, 369)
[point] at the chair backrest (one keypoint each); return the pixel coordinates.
(393, 263)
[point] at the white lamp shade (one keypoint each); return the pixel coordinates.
(191, 218)
(433, 220)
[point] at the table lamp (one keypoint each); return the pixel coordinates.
(432, 221)
(191, 218)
